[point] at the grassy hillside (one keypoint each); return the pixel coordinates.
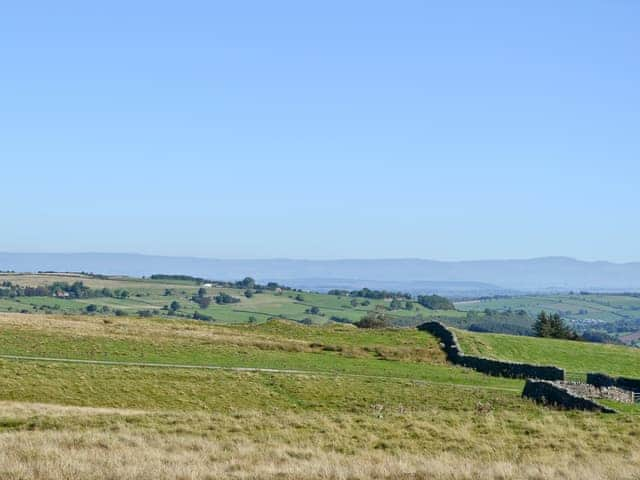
(577, 358)
(399, 353)
(369, 404)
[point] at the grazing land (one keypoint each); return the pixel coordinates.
(577, 358)
(338, 402)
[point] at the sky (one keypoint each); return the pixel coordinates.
(361, 129)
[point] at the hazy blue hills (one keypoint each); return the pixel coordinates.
(414, 275)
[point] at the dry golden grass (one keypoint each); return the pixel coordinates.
(26, 410)
(131, 453)
(123, 327)
(59, 442)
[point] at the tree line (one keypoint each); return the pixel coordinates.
(60, 289)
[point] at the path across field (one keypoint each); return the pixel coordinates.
(245, 369)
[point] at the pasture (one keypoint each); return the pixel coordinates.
(361, 404)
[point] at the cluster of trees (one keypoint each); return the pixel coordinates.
(378, 294)
(368, 293)
(61, 289)
(224, 298)
(201, 298)
(435, 302)
(399, 300)
(354, 302)
(397, 304)
(552, 326)
(338, 292)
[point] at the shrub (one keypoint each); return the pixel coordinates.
(374, 319)
(203, 302)
(202, 316)
(395, 304)
(224, 298)
(336, 319)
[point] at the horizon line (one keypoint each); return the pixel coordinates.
(343, 259)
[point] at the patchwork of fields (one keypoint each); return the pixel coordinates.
(576, 307)
(155, 296)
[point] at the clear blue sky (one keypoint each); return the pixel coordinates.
(321, 129)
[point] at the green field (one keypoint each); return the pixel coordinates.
(577, 358)
(337, 401)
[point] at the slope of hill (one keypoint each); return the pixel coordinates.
(577, 358)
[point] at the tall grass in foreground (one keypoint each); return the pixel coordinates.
(50, 442)
(129, 453)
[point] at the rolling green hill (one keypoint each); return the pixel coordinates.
(154, 297)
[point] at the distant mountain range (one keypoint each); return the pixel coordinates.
(463, 278)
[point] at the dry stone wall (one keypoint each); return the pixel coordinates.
(497, 368)
(556, 394)
(602, 380)
(593, 392)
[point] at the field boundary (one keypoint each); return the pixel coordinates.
(601, 380)
(552, 393)
(496, 368)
